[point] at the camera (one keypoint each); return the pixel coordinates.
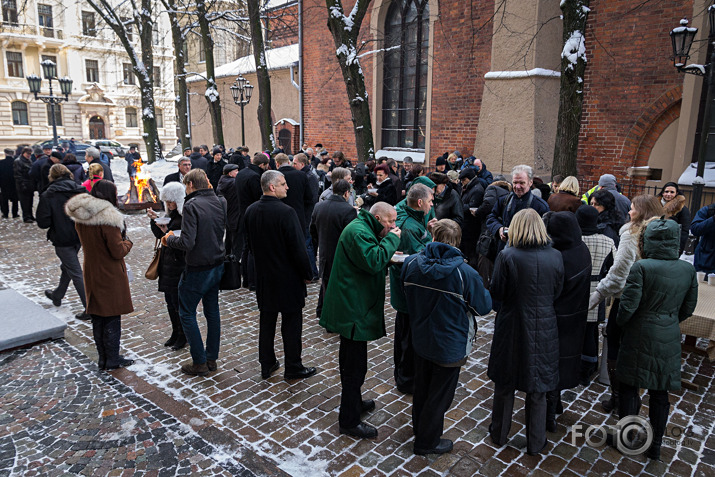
(506, 232)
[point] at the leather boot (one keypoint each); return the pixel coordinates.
(612, 403)
(658, 414)
(551, 399)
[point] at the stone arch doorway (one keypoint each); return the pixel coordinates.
(284, 140)
(96, 128)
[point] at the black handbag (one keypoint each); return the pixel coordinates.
(231, 279)
(691, 244)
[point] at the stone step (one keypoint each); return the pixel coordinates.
(24, 322)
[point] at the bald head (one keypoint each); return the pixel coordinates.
(386, 215)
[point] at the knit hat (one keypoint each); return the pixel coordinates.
(587, 217)
(607, 181)
(424, 180)
(467, 173)
(441, 161)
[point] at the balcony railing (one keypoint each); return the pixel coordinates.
(28, 29)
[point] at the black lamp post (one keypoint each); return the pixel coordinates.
(49, 70)
(242, 91)
(682, 38)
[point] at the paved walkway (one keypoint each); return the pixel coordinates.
(294, 424)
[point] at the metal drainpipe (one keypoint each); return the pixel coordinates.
(300, 71)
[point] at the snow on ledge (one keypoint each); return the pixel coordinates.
(277, 59)
(538, 72)
(417, 155)
(287, 120)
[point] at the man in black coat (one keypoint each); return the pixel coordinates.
(131, 157)
(301, 163)
(24, 184)
(8, 192)
(61, 232)
(198, 161)
(282, 270)
(178, 176)
(227, 189)
(300, 197)
(214, 169)
(248, 191)
(40, 182)
(330, 217)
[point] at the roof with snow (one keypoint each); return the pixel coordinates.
(277, 59)
(271, 4)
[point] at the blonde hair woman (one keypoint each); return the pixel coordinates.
(528, 276)
(567, 198)
(95, 173)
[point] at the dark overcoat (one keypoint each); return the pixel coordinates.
(330, 217)
(300, 195)
(278, 245)
(525, 347)
(572, 304)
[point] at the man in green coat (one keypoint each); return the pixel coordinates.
(661, 291)
(354, 305)
(415, 235)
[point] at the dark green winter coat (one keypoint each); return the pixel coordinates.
(413, 239)
(354, 303)
(661, 291)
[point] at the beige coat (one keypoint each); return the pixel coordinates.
(99, 226)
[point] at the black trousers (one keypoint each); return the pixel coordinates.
(434, 393)
(502, 408)
(26, 199)
(589, 354)
(248, 267)
(107, 331)
(658, 408)
(613, 331)
(323, 287)
(352, 361)
(404, 354)
(5, 199)
(291, 331)
(172, 306)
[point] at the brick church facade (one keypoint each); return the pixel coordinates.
(486, 73)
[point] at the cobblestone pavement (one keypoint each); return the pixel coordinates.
(294, 424)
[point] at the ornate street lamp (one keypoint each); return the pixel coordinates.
(682, 39)
(49, 70)
(242, 90)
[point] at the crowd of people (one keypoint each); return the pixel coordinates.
(456, 242)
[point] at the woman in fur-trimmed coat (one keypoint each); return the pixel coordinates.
(673, 202)
(101, 231)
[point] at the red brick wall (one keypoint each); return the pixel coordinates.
(630, 83)
(460, 61)
(282, 26)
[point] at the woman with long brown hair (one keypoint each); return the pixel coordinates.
(643, 207)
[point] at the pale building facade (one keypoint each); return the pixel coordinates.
(105, 100)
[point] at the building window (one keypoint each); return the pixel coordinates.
(159, 114)
(19, 113)
(44, 16)
(186, 52)
(155, 40)
(128, 73)
(92, 71)
(284, 137)
(14, 64)
(89, 28)
(9, 12)
(404, 90)
(129, 27)
(58, 115)
(130, 115)
(157, 77)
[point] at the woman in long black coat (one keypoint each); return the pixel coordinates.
(610, 219)
(528, 277)
(172, 260)
(571, 306)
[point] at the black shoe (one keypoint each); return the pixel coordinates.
(551, 425)
(302, 374)
(211, 365)
(444, 446)
(406, 388)
(179, 344)
(15, 216)
(123, 363)
(361, 431)
(84, 316)
(266, 373)
(51, 296)
(29, 221)
(367, 405)
(170, 341)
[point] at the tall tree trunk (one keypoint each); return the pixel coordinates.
(143, 67)
(265, 121)
(345, 32)
(182, 110)
(212, 97)
(573, 66)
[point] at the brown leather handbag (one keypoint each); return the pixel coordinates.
(152, 272)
